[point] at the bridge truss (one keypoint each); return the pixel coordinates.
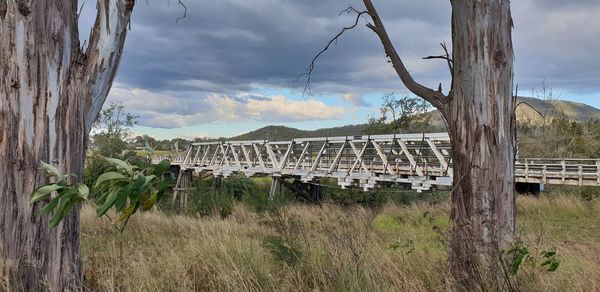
(421, 160)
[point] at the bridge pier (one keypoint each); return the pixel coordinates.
(276, 187)
(181, 190)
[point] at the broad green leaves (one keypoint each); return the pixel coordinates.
(44, 192)
(66, 195)
(124, 187)
(109, 176)
(521, 255)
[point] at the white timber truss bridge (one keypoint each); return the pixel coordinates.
(422, 161)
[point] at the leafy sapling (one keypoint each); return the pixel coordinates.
(125, 187)
(67, 194)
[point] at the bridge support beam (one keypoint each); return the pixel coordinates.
(182, 187)
(276, 187)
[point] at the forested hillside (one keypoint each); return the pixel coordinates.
(529, 110)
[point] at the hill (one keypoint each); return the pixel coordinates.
(288, 133)
(573, 110)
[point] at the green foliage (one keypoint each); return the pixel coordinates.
(558, 136)
(401, 115)
(282, 251)
(214, 201)
(111, 129)
(121, 185)
(128, 188)
(285, 245)
(589, 193)
(550, 261)
(377, 198)
(221, 194)
(67, 194)
(520, 255)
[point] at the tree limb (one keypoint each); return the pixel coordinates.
(333, 41)
(184, 12)
(107, 39)
(436, 98)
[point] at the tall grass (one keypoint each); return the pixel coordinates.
(397, 248)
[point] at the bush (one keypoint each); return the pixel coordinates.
(377, 198)
(589, 193)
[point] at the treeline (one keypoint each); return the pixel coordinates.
(559, 137)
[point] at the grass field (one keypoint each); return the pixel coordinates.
(312, 248)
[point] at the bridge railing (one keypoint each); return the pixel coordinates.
(366, 161)
(362, 160)
(580, 172)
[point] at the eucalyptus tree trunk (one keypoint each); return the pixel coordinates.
(480, 113)
(481, 122)
(50, 93)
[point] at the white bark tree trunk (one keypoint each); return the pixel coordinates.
(480, 113)
(50, 93)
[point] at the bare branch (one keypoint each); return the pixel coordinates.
(437, 57)
(448, 59)
(184, 12)
(333, 41)
(436, 98)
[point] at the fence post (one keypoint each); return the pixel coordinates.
(564, 170)
(598, 171)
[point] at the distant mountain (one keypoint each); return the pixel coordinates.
(286, 133)
(573, 110)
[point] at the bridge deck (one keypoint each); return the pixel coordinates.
(422, 160)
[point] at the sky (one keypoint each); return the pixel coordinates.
(232, 66)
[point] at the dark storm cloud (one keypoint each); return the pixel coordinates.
(231, 47)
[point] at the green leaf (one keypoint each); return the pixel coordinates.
(84, 190)
(126, 214)
(44, 192)
(110, 201)
(63, 209)
(161, 167)
(121, 200)
(548, 254)
(161, 187)
(108, 176)
(148, 203)
(553, 266)
(120, 164)
(522, 255)
(50, 170)
(138, 183)
(50, 207)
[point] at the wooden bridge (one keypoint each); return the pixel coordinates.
(420, 160)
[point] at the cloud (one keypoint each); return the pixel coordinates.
(199, 69)
(354, 99)
(168, 110)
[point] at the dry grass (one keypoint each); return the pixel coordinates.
(397, 249)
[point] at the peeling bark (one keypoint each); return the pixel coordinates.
(481, 122)
(46, 92)
(480, 114)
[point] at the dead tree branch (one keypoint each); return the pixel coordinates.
(436, 98)
(184, 12)
(311, 67)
